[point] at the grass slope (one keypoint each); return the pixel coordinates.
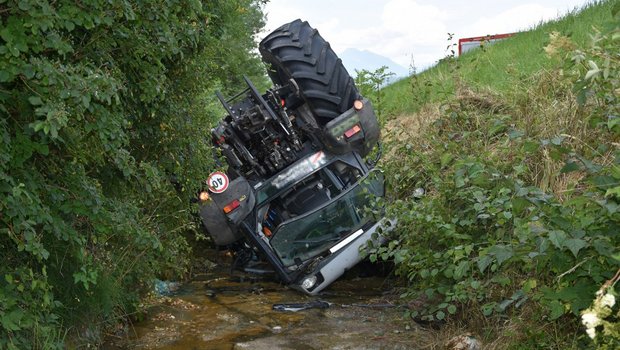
(498, 67)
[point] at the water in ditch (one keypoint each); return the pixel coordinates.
(217, 310)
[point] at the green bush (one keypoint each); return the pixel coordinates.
(105, 112)
(521, 207)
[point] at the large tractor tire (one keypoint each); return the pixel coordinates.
(297, 51)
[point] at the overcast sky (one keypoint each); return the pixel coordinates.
(402, 29)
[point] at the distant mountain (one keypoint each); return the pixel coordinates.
(357, 59)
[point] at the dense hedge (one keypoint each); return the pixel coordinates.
(105, 109)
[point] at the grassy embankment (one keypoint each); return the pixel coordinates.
(502, 68)
(517, 146)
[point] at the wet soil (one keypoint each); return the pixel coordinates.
(219, 311)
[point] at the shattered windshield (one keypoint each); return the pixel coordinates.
(306, 236)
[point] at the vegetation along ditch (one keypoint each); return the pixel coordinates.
(104, 108)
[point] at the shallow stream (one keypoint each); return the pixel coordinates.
(220, 311)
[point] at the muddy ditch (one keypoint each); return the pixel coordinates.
(217, 310)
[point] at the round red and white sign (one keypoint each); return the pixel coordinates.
(217, 182)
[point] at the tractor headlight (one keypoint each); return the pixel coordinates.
(308, 282)
(203, 196)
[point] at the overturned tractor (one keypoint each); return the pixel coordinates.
(298, 192)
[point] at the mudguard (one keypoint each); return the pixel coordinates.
(362, 140)
(224, 228)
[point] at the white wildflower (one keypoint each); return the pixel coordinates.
(590, 320)
(608, 300)
(591, 332)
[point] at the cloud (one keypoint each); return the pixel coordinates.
(405, 28)
(412, 29)
(279, 14)
(397, 29)
(518, 18)
(423, 24)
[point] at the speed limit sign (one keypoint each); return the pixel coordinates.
(217, 182)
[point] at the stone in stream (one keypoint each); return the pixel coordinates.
(463, 342)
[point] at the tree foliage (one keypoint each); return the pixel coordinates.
(105, 111)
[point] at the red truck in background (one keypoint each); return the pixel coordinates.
(468, 44)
